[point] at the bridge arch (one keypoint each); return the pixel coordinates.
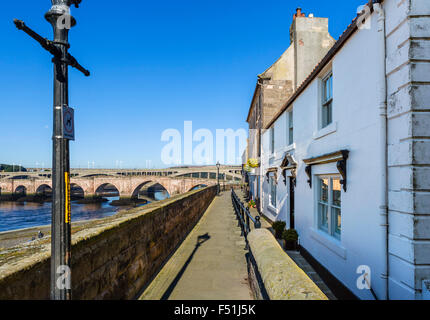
(76, 191)
(44, 190)
(199, 186)
(149, 184)
(20, 190)
(108, 188)
(137, 189)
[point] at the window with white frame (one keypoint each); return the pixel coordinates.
(327, 100)
(290, 128)
(272, 140)
(329, 205)
(272, 181)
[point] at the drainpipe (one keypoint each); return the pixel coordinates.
(260, 178)
(382, 104)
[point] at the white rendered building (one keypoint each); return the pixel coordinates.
(346, 159)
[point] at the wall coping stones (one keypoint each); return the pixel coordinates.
(282, 278)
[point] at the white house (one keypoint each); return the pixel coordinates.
(346, 160)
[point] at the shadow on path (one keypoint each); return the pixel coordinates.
(200, 240)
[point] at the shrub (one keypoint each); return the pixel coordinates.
(290, 235)
(279, 227)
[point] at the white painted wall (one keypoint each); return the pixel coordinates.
(355, 128)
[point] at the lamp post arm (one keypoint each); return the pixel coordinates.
(45, 43)
(49, 46)
(71, 61)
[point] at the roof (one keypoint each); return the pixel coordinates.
(350, 30)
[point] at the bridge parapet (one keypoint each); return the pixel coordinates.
(127, 187)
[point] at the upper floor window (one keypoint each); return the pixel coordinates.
(290, 128)
(329, 206)
(327, 103)
(272, 140)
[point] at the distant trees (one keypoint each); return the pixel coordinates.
(12, 168)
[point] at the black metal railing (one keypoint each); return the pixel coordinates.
(244, 216)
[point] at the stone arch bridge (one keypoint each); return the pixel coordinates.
(128, 186)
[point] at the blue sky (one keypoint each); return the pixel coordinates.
(154, 65)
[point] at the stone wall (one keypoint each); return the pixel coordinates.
(281, 277)
(408, 82)
(115, 258)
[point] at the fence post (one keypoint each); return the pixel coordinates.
(248, 227)
(257, 224)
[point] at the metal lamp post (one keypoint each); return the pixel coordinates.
(217, 167)
(61, 20)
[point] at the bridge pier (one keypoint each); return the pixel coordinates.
(6, 196)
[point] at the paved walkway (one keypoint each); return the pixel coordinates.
(210, 264)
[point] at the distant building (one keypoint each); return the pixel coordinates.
(344, 148)
(309, 43)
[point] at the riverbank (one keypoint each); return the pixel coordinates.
(13, 238)
(40, 199)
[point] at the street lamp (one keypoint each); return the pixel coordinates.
(217, 167)
(61, 20)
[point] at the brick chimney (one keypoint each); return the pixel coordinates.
(298, 13)
(311, 41)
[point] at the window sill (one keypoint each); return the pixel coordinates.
(272, 209)
(329, 242)
(331, 128)
(290, 147)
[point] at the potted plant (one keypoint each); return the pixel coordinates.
(279, 227)
(253, 163)
(252, 204)
(291, 238)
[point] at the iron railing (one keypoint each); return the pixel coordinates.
(244, 216)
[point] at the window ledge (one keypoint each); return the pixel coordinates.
(273, 209)
(329, 242)
(331, 128)
(290, 147)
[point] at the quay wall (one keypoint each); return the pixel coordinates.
(113, 259)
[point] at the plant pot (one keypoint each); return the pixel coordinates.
(291, 245)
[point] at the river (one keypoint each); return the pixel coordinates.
(14, 216)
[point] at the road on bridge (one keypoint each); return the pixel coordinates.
(210, 264)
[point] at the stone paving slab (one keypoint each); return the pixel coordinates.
(210, 264)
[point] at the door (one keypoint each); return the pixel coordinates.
(292, 217)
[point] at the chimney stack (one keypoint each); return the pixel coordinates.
(311, 41)
(298, 13)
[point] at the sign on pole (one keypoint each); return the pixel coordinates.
(68, 123)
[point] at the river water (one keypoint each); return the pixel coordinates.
(14, 216)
